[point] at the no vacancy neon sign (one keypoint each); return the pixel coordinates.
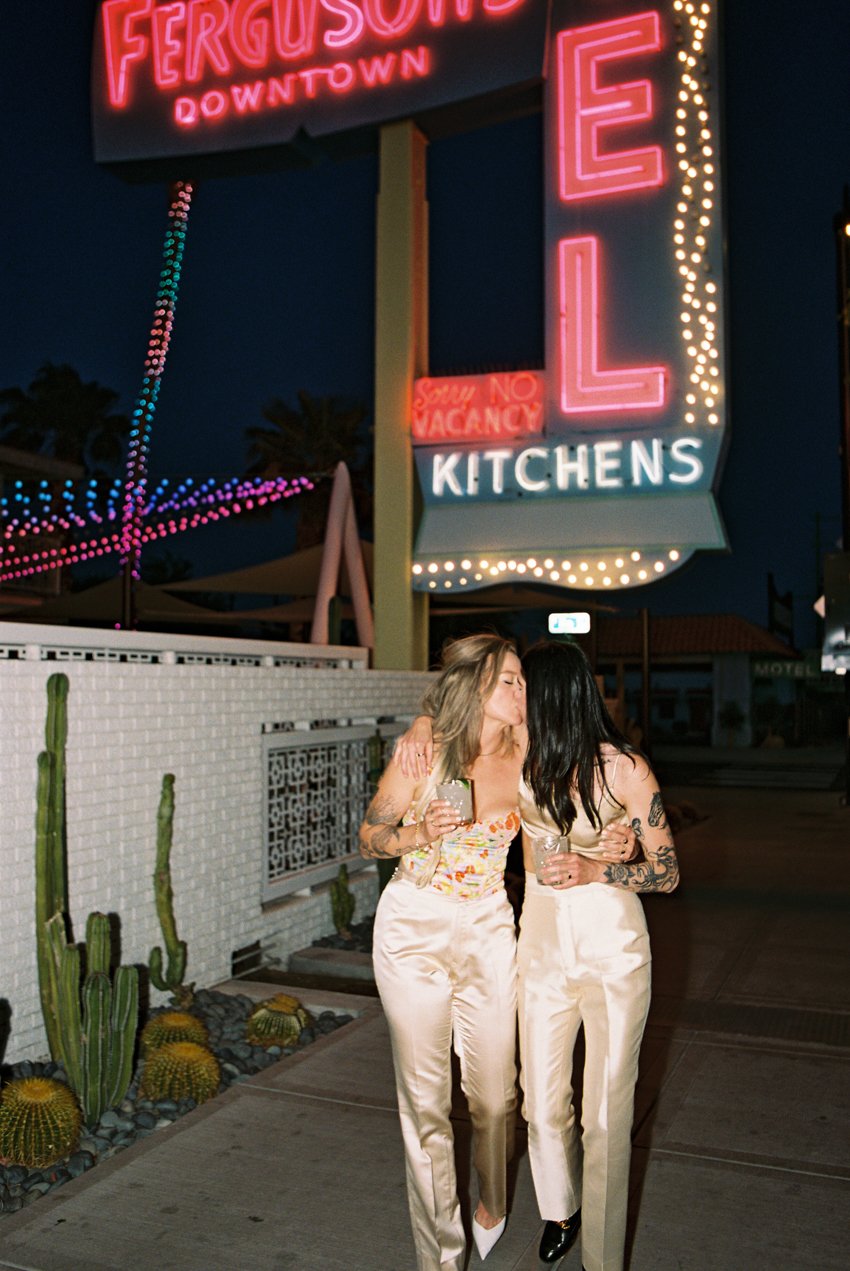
(598, 470)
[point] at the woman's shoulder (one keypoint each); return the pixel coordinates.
(622, 766)
(625, 769)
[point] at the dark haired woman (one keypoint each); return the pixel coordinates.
(583, 956)
(445, 944)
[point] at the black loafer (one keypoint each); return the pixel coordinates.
(558, 1238)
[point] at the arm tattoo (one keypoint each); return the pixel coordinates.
(657, 815)
(637, 827)
(661, 873)
(384, 843)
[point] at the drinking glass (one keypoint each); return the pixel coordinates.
(545, 847)
(457, 792)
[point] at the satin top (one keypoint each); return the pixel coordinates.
(471, 861)
(583, 837)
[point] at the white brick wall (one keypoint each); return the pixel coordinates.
(128, 723)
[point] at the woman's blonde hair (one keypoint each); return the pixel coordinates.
(471, 667)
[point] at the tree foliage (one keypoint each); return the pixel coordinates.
(60, 415)
(311, 440)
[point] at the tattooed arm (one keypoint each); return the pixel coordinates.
(658, 870)
(382, 838)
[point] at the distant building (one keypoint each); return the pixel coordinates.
(715, 679)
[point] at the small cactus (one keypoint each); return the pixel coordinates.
(40, 1122)
(168, 978)
(276, 1022)
(342, 903)
(173, 1026)
(180, 1070)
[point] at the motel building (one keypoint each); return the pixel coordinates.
(716, 680)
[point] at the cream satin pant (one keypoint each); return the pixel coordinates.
(446, 972)
(583, 958)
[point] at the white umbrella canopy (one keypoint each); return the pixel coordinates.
(102, 603)
(293, 575)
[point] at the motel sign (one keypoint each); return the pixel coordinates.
(598, 469)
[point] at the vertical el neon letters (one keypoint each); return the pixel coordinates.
(584, 385)
(587, 109)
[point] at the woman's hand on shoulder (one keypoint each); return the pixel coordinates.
(413, 753)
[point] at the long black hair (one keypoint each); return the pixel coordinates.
(567, 727)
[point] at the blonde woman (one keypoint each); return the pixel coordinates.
(445, 946)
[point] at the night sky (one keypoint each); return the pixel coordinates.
(277, 288)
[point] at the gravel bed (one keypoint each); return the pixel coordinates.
(360, 940)
(224, 1015)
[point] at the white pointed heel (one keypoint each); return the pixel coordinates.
(486, 1237)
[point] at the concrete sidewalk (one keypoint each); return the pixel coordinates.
(742, 1150)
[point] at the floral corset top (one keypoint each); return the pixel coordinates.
(467, 864)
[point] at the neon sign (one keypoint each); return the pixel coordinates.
(617, 487)
(477, 408)
(188, 76)
(599, 469)
(584, 385)
(588, 111)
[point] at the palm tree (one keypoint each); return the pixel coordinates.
(311, 441)
(61, 416)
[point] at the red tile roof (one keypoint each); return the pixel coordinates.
(688, 634)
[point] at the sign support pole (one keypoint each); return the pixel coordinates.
(401, 354)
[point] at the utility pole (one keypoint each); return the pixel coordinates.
(842, 247)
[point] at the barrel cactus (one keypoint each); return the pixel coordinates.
(40, 1122)
(173, 1026)
(180, 1070)
(276, 1022)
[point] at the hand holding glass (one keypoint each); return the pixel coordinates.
(458, 793)
(546, 848)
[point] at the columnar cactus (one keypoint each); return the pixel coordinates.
(172, 978)
(342, 902)
(39, 1122)
(98, 1019)
(50, 871)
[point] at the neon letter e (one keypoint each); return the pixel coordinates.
(586, 109)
